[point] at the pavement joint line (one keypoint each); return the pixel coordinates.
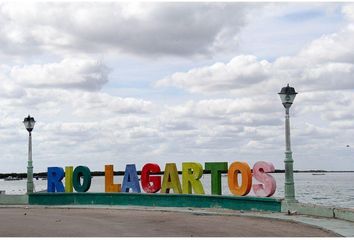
(340, 227)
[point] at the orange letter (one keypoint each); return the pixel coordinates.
(244, 169)
(108, 177)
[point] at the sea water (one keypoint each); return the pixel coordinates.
(330, 189)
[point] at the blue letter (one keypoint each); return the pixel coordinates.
(55, 175)
(130, 179)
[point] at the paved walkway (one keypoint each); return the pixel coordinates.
(117, 221)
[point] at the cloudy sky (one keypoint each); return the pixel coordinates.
(119, 83)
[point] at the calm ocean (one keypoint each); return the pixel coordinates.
(331, 189)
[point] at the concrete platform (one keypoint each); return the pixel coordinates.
(118, 221)
(157, 200)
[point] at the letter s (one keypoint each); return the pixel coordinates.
(268, 185)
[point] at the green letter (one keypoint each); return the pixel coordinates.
(84, 172)
(215, 172)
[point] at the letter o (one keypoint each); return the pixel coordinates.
(234, 186)
(82, 171)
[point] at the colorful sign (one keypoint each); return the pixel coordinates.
(239, 176)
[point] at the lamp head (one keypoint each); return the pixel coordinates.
(287, 95)
(29, 123)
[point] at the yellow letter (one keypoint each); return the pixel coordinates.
(191, 173)
(69, 179)
(170, 179)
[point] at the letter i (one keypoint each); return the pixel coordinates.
(69, 179)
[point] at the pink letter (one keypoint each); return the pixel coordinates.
(260, 170)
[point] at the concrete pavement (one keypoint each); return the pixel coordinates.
(106, 221)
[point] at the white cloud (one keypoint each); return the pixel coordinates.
(237, 116)
(102, 104)
(85, 74)
(325, 63)
(60, 28)
(223, 108)
(10, 90)
(348, 11)
(240, 72)
(330, 48)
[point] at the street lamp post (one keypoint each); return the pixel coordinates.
(29, 124)
(287, 96)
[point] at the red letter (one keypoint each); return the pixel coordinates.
(150, 184)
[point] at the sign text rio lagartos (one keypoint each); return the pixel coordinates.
(80, 179)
